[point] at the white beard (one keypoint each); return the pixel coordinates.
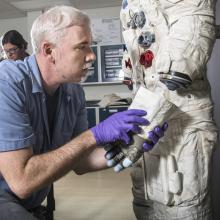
(85, 67)
(84, 78)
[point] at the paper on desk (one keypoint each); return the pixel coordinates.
(113, 99)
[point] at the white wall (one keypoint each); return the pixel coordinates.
(19, 24)
(103, 12)
(31, 16)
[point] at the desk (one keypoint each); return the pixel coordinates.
(96, 114)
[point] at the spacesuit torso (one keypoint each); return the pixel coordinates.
(165, 40)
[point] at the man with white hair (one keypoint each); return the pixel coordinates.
(43, 129)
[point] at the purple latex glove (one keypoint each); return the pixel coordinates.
(154, 136)
(118, 158)
(117, 126)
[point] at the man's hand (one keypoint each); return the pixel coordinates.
(117, 126)
(122, 156)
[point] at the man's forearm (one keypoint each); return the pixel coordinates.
(93, 161)
(28, 173)
(41, 170)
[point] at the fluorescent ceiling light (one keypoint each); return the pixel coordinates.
(29, 5)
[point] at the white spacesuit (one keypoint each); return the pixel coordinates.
(169, 43)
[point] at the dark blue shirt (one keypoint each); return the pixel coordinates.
(24, 117)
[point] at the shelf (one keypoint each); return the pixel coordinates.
(102, 83)
(113, 67)
(114, 56)
(105, 70)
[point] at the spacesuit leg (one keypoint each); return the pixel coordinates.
(192, 201)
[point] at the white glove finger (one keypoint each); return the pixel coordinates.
(127, 162)
(110, 163)
(118, 168)
(118, 157)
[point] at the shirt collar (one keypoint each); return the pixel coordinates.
(35, 74)
(36, 78)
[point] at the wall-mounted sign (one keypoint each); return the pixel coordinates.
(106, 30)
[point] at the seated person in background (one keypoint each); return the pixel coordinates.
(14, 45)
(1, 54)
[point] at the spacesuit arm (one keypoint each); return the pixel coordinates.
(159, 110)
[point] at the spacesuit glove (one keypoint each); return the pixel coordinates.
(174, 80)
(117, 126)
(122, 156)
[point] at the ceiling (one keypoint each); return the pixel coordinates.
(19, 8)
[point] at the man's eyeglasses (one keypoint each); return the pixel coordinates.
(11, 50)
